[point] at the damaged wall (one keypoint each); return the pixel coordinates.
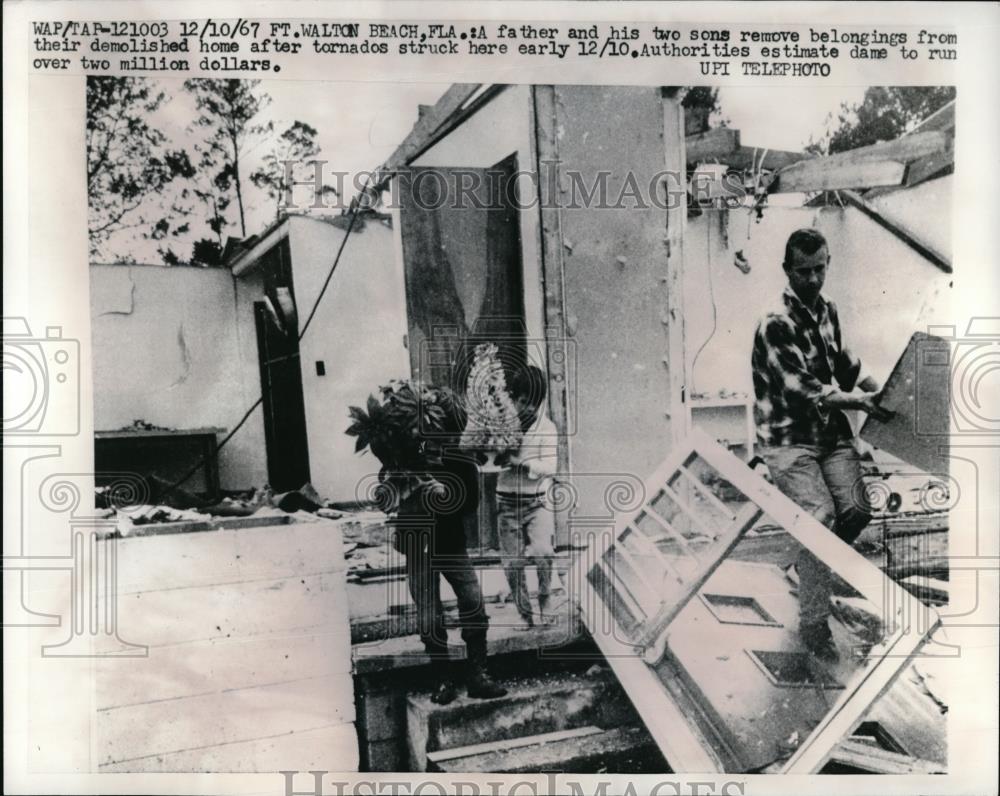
(167, 350)
(615, 265)
(357, 333)
(883, 289)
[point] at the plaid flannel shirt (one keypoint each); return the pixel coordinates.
(798, 359)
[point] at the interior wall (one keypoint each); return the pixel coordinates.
(883, 289)
(615, 265)
(357, 332)
(167, 349)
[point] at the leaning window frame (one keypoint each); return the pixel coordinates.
(685, 747)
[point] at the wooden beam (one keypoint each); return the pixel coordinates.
(866, 757)
(930, 166)
(748, 157)
(675, 159)
(865, 167)
(713, 145)
(543, 112)
(942, 119)
(820, 175)
(909, 237)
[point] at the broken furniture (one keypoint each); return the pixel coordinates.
(708, 649)
(166, 454)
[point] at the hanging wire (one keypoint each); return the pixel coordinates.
(246, 416)
(715, 309)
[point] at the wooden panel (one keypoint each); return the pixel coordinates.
(205, 558)
(249, 653)
(279, 607)
(201, 668)
(919, 392)
(327, 749)
(177, 725)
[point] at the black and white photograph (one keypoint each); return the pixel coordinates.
(576, 435)
(569, 433)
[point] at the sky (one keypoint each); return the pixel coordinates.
(359, 125)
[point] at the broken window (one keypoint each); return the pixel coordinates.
(698, 617)
(735, 610)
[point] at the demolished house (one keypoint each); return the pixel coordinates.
(675, 648)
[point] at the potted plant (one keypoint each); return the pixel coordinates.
(406, 427)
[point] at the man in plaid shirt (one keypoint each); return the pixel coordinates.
(804, 378)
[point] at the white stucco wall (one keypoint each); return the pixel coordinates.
(167, 349)
(357, 333)
(883, 288)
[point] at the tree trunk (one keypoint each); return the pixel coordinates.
(239, 192)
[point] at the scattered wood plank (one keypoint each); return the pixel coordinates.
(507, 744)
(866, 757)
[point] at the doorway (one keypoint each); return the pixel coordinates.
(464, 279)
(283, 402)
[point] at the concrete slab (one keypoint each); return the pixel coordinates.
(532, 706)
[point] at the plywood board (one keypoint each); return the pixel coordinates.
(918, 391)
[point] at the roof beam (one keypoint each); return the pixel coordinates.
(722, 145)
(870, 166)
(907, 236)
(715, 144)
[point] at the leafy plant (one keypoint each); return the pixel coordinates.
(407, 424)
(405, 428)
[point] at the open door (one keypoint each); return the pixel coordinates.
(283, 402)
(464, 283)
(462, 258)
(693, 600)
